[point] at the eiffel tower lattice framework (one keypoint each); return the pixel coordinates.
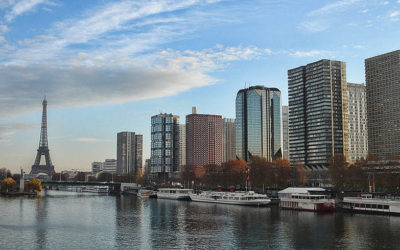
(43, 148)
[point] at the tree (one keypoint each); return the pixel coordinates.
(103, 176)
(337, 169)
(80, 176)
(139, 177)
(188, 174)
(234, 172)
(300, 174)
(34, 185)
(259, 171)
(282, 172)
(8, 184)
(3, 173)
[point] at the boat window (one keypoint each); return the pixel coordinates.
(373, 205)
(385, 206)
(357, 205)
(363, 205)
(368, 205)
(380, 206)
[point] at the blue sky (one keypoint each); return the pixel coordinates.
(108, 66)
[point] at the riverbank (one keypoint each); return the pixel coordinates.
(19, 194)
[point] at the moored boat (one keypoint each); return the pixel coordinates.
(249, 198)
(96, 189)
(311, 199)
(366, 203)
(174, 193)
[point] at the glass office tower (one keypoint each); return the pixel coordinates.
(259, 123)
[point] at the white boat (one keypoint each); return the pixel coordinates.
(96, 189)
(174, 193)
(368, 204)
(145, 193)
(249, 198)
(311, 199)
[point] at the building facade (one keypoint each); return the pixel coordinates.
(358, 132)
(318, 126)
(165, 158)
(285, 132)
(259, 123)
(129, 153)
(203, 139)
(97, 167)
(229, 139)
(382, 75)
(182, 146)
(110, 166)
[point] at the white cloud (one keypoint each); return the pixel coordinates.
(311, 53)
(90, 139)
(394, 14)
(3, 28)
(23, 6)
(160, 74)
(2, 39)
(385, 2)
(313, 26)
(333, 7)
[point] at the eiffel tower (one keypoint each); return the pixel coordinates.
(43, 148)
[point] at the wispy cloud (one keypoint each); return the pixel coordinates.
(333, 7)
(167, 71)
(91, 139)
(23, 6)
(311, 53)
(8, 129)
(395, 16)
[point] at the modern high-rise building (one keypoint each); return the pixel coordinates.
(382, 75)
(110, 166)
(203, 139)
(259, 123)
(229, 141)
(129, 153)
(97, 167)
(182, 145)
(318, 126)
(285, 132)
(358, 132)
(165, 156)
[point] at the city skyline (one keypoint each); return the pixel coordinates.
(159, 45)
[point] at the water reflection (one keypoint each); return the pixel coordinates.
(41, 223)
(108, 222)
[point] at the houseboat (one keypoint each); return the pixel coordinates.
(174, 193)
(311, 199)
(366, 203)
(249, 198)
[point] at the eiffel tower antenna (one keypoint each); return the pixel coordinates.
(43, 149)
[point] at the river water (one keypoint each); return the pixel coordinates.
(66, 220)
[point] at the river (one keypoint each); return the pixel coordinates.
(66, 220)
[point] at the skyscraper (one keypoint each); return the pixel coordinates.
(182, 145)
(358, 133)
(203, 139)
(229, 141)
(285, 132)
(129, 153)
(318, 126)
(382, 75)
(259, 123)
(165, 157)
